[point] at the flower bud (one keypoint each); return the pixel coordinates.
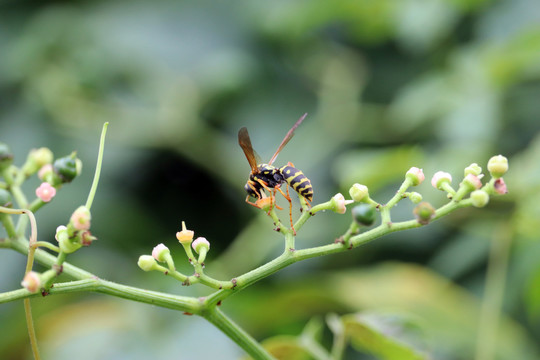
(5, 198)
(86, 238)
(45, 173)
(472, 182)
(67, 167)
(339, 203)
(61, 231)
(32, 282)
(199, 244)
(146, 262)
(497, 166)
(159, 252)
(45, 192)
(364, 214)
(415, 197)
(474, 169)
(67, 245)
(440, 178)
(500, 186)
(185, 236)
(41, 156)
(80, 219)
(424, 212)
(6, 157)
(416, 176)
(479, 198)
(359, 193)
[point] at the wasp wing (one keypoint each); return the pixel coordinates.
(287, 138)
(245, 143)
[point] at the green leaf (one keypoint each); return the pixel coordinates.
(377, 334)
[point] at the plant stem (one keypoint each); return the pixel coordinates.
(236, 333)
(493, 293)
(31, 329)
(95, 182)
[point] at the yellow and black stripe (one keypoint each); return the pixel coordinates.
(298, 181)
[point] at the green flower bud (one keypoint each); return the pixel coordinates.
(66, 168)
(5, 198)
(66, 244)
(497, 166)
(415, 197)
(364, 214)
(473, 169)
(147, 262)
(479, 198)
(6, 157)
(424, 212)
(359, 193)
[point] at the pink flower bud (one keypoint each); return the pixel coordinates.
(80, 219)
(32, 282)
(416, 175)
(439, 178)
(472, 181)
(200, 243)
(159, 252)
(45, 171)
(45, 192)
(339, 203)
(500, 186)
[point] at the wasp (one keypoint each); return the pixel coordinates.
(270, 178)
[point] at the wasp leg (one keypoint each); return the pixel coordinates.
(290, 211)
(270, 191)
(250, 203)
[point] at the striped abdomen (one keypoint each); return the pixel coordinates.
(298, 181)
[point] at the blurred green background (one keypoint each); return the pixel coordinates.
(388, 84)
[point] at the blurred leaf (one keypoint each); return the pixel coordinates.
(286, 348)
(376, 168)
(375, 334)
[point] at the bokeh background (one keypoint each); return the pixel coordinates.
(387, 84)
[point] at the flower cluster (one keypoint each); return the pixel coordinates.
(162, 254)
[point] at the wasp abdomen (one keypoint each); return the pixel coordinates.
(298, 181)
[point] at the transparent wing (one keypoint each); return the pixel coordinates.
(245, 143)
(287, 138)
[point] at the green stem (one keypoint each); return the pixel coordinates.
(236, 333)
(7, 221)
(97, 173)
(31, 329)
(493, 293)
(169, 301)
